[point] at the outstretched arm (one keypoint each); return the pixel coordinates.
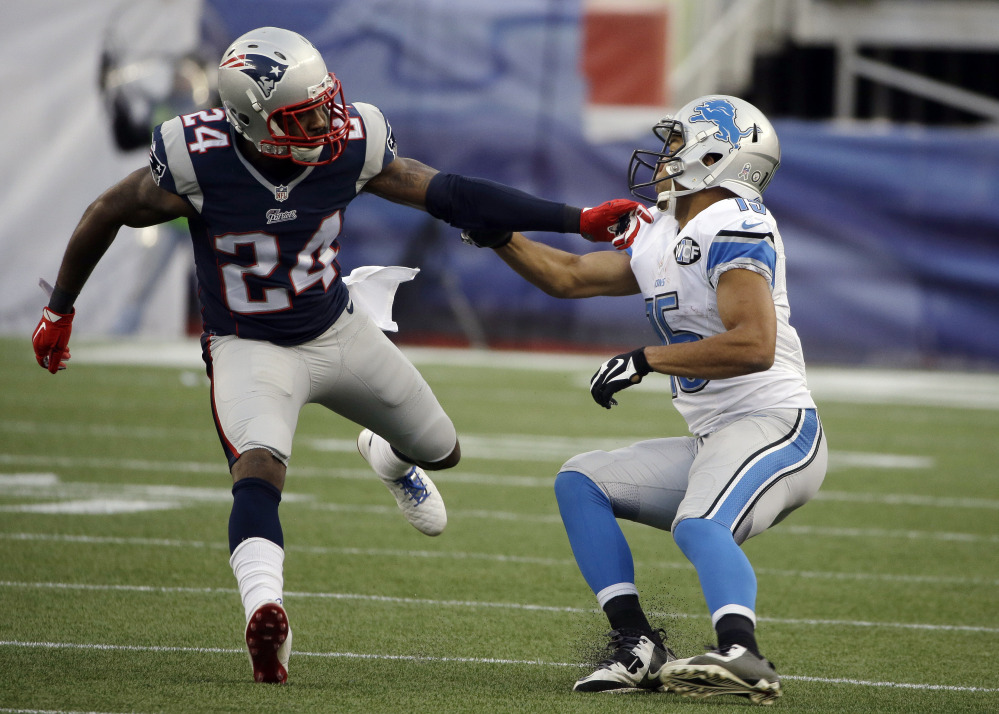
(475, 203)
(135, 201)
(567, 275)
(403, 181)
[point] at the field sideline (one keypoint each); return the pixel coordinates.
(880, 596)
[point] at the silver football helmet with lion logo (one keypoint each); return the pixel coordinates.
(735, 134)
(270, 80)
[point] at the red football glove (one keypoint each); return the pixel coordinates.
(616, 222)
(51, 340)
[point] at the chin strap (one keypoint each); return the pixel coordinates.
(664, 199)
(259, 109)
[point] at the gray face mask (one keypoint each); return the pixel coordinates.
(268, 79)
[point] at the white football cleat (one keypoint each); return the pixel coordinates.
(634, 665)
(416, 495)
(268, 641)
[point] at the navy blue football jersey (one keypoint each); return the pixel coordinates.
(265, 253)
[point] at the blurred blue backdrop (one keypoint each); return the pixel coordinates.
(891, 232)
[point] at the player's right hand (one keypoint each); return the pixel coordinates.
(51, 340)
(616, 222)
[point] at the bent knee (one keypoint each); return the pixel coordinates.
(567, 481)
(449, 461)
(259, 463)
(572, 486)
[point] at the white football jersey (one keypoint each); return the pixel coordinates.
(678, 273)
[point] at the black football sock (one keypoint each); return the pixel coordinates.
(624, 612)
(737, 630)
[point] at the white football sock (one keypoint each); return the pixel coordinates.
(384, 461)
(258, 565)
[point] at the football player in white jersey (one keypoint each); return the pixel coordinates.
(710, 265)
(264, 181)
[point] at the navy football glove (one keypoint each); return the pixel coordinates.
(616, 374)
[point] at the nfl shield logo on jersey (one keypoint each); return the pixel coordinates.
(281, 193)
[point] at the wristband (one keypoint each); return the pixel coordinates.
(61, 301)
(641, 362)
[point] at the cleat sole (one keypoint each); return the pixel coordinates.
(266, 631)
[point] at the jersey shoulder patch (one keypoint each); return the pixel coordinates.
(170, 161)
(739, 233)
(380, 150)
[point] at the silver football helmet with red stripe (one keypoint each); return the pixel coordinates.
(271, 82)
(740, 141)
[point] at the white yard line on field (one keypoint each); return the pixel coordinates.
(112, 504)
(459, 660)
(850, 385)
(50, 495)
(494, 447)
(474, 604)
(495, 558)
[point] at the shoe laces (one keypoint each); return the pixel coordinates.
(724, 651)
(414, 487)
(663, 637)
(622, 644)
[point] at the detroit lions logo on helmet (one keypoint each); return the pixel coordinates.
(722, 114)
(265, 71)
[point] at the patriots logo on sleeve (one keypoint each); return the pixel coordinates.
(265, 71)
(156, 165)
(390, 143)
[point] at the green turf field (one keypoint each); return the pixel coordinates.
(879, 596)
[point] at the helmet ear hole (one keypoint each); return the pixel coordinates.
(711, 158)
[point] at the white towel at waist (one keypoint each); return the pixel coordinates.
(372, 288)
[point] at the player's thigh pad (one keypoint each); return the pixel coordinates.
(361, 375)
(258, 390)
(645, 482)
(754, 472)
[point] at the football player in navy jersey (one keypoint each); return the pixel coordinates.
(711, 268)
(263, 182)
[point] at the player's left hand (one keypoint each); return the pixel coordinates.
(616, 374)
(616, 221)
(51, 339)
